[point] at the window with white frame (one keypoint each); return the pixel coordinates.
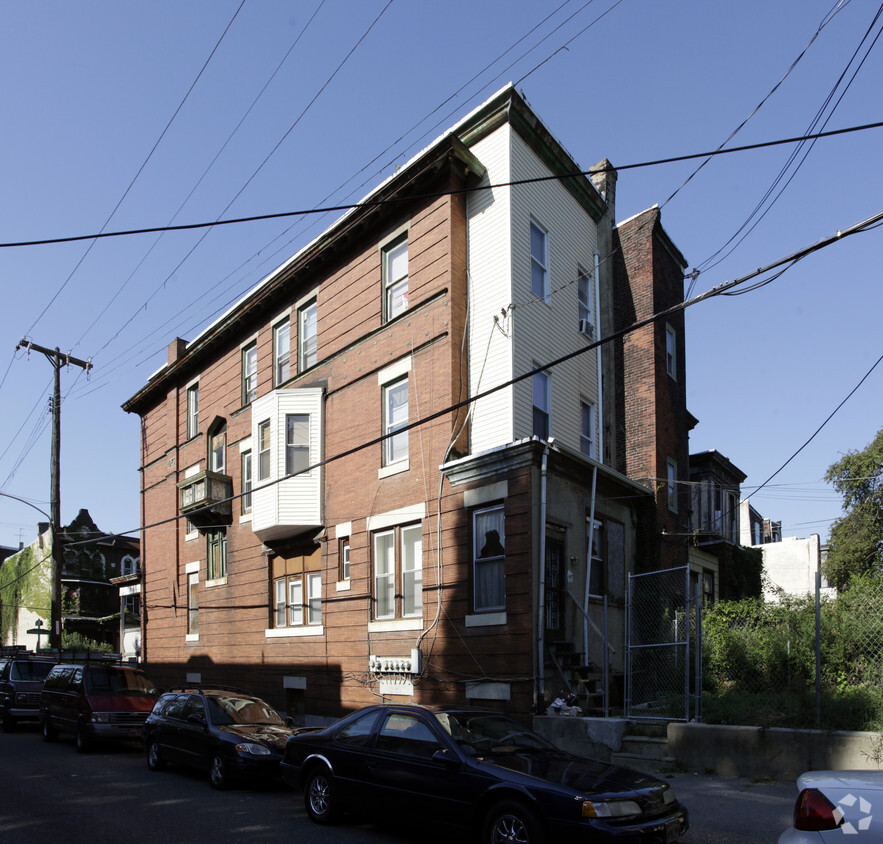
(398, 572)
(264, 450)
(298, 600)
(307, 336)
(281, 352)
(671, 351)
(128, 565)
(250, 373)
(343, 556)
(587, 428)
(297, 442)
(595, 537)
(395, 277)
(539, 261)
(395, 418)
(218, 448)
(192, 411)
(584, 306)
(489, 559)
(671, 484)
(542, 402)
(245, 458)
(217, 555)
(193, 604)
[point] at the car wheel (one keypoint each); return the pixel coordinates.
(154, 760)
(217, 773)
(49, 732)
(83, 740)
(320, 796)
(511, 822)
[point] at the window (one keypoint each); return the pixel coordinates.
(133, 604)
(489, 558)
(395, 417)
(128, 565)
(395, 278)
(264, 450)
(343, 556)
(671, 351)
(587, 428)
(291, 608)
(584, 296)
(597, 563)
(250, 373)
(398, 562)
(407, 735)
(192, 411)
(297, 442)
(281, 352)
(671, 484)
(539, 262)
(246, 482)
(193, 604)
(541, 404)
(307, 336)
(218, 450)
(217, 555)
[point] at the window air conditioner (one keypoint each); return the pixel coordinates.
(587, 328)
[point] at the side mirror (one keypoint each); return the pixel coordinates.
(447, 757)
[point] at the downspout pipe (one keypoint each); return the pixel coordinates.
(540, 658)
(598, 354)
(590, 536)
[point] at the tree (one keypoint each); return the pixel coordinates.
(857, 537)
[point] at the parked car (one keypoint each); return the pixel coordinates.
(21, 680)
(479, 770)
(831, 804)
(228, 733)
(96, 701)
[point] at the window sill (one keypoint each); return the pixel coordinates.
(220, 581)
(191, 637)
(394, 468)
(292, 632)
(245, 517)
(486, 619)
(395, 624)
(344, 585)
(189, 537)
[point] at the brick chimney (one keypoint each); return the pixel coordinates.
(176, 349)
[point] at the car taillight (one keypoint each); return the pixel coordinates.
(814, 812)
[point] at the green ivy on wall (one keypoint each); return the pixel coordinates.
(24, 585)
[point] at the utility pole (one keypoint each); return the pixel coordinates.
(58, 360)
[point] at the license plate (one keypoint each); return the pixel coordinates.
(672, 831)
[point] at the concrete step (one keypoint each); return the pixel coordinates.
(646, 746)
(643, 763)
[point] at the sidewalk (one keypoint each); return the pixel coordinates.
(733, 810)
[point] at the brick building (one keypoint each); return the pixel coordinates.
(395, 467)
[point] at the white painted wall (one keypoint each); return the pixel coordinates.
(790, 565)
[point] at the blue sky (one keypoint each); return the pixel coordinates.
(126, 115)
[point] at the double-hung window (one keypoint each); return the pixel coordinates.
(297, 442)
(489, 559)
(343, 569)
(395, 418)
(584, 307)
(264, 450)
(298, 600)
(395, 278)
(281, 352)
(597, 558)
(192, 411)
(246, 482)
(539, 261)
(193, 604)
(671, 484)
(249, 373)
(542, 402)
(671, 351)
(307, 336)
(398, 572)
(217, 555)
(218, 450)
(587, 428)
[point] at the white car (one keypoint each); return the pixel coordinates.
(831, 804)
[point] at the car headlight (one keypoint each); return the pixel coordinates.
(253, 749)
(610, 808)
(101, 717)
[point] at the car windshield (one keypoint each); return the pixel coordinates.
(236, 709)
(487, 732)
(29, 670)
(106, 679)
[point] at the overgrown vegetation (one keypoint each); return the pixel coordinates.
(759, 661)
(78, 642)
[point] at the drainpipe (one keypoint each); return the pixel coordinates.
(598, 353)
(590, 537)
(540, 657)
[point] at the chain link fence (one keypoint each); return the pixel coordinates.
(793, 663)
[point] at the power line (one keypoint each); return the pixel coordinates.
(399, 200)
